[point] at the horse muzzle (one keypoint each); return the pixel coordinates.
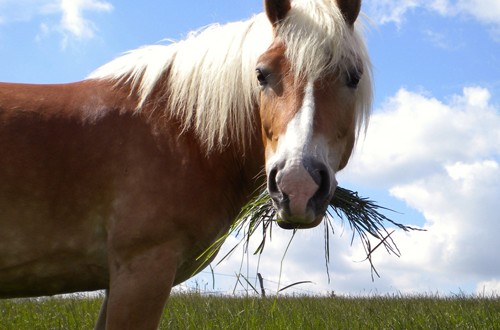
(301, 191)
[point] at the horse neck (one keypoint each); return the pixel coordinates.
(242, 162)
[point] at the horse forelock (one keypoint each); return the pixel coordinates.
(211, 85)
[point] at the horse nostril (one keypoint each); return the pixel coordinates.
(324, 184)
(322, 178)
(272, 185)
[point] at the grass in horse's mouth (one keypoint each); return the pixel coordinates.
(362, 214)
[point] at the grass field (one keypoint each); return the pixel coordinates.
(194, 311)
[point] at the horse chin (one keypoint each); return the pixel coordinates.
(293, 223)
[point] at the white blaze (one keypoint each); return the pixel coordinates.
(298, 135)
(299, 131)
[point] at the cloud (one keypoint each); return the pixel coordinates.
(460, 207)
(72, 22)
(486, 11)
(387, 11)
(413, 133)
(488, 288)
(443, 160)
(394, 11)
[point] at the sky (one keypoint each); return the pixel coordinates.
(431, 152)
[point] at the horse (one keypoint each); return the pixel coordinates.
(120, 181)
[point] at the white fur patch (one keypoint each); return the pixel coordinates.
(299, 130)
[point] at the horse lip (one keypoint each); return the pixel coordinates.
(288, 221)
(285, 223)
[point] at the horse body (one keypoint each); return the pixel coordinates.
(48, 191)
(121, 181)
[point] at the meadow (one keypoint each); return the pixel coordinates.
(196, 311)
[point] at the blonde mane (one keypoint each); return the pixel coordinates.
(211, 74)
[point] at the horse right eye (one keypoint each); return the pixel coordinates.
(353, 78)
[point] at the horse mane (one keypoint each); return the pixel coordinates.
(211, 84)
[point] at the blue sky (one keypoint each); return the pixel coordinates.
(432, 151)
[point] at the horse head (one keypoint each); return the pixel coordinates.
(312, 89)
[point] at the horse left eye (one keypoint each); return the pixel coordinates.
(261, 77)
(353, 78)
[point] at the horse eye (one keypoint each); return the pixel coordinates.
(353, 78)
(261, 77)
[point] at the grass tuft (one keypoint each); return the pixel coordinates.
(363, 215)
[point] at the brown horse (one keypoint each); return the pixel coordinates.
(120, 181)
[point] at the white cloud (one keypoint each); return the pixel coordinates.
(72, 20)
(442, 159)
(487, 11)
(460, 207)
(390, 11)
(395, 11)
(413, 133)
(488, 288)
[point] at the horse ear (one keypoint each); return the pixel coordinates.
(276, 10)
(350, 9)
